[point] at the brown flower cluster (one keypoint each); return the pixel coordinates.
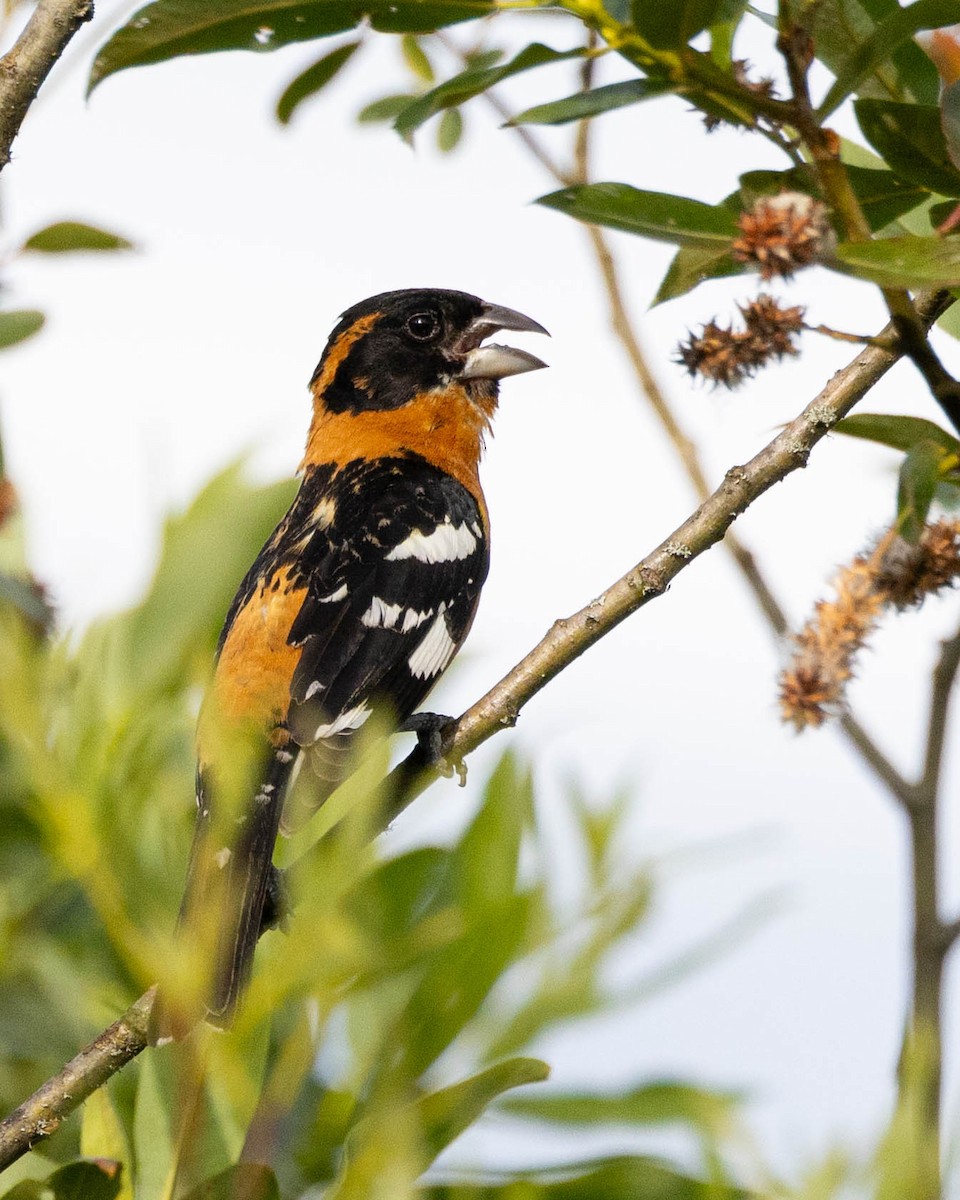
(781, 234)
(728, 356)
(895, 574)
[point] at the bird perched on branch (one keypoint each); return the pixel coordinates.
(360, 598)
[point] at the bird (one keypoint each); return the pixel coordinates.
(357, 602)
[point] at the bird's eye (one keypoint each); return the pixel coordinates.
(423, 326)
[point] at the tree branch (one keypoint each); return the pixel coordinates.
(24, 68)
(42, 1113)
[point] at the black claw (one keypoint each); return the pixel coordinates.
(432, 730)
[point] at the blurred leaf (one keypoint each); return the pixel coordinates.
(103, 1136)
(206, 551)
(876, 49)
(416, 59)
(167, 29)
(649, 214)
(457, 981)
(582, 105)
(384, 109)
(445, 1114)
(450, 130)
(66, 236)
(484, 865)
(472, 82)
(245, 1181)
(18, 325)
(919, 476)
(619, 1178)
(152, 1131)
(76, 1181)
(910, 139)
(901, 433)
(312, 80)
(904, 262)
(670, 26)
(665, 1102)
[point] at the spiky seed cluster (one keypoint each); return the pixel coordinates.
(727, 356)
(781, 234)
(894, 574)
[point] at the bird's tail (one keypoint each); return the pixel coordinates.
(233, 893)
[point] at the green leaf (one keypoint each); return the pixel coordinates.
(245, 1181)
(472, 82)
(18, 325)
(898, 432)
(904, 262)
(692, 265)
(75, 1181)
(167, 29)
(102, 1136)
(920, 473)
(670, 26)
(416, 59)
(582, 105)
(650, 214)
(64, 237)
(663, 1102)
(310, 81)
(384, 109)
(450, 130)
(890, 34)
(445, 1114)
(910, 139)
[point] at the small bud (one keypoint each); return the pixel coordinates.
(781, 234)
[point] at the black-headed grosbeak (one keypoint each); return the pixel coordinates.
(364, 592)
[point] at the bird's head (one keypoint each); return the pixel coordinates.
(388, 350)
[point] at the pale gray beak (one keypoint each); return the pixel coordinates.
(497, 362)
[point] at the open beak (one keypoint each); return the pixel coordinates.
(493, 361)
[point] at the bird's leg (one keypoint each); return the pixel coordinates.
(432, 730)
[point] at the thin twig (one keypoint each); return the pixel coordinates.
(27, 64)
(944, 675)
(42, 1113)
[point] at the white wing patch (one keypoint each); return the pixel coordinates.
(352, 719)
(435, 651)
(444, 543)
(333, 597)
(380, 614)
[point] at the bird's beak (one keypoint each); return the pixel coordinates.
(497, 362)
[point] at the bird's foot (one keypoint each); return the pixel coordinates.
(432, 730)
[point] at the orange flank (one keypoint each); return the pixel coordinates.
(252, 682)
(445, 426)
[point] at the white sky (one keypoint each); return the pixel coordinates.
(156, 369)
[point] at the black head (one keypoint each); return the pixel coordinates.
(395, 346)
